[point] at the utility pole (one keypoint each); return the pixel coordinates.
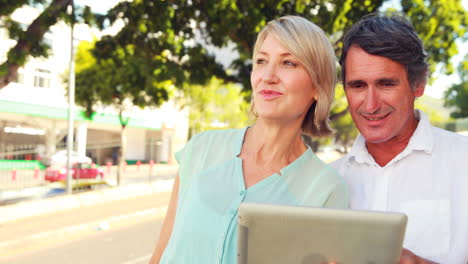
(71, 100)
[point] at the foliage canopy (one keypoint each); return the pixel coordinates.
(457, 95)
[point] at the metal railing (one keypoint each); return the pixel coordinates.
(22, 171)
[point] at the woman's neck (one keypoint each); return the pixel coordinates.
(273, 143)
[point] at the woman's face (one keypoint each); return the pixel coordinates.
(282, 87)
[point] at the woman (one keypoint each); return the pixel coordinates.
(293, 81)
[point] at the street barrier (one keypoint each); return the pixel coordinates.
(30, 181)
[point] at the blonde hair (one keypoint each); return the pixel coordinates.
(309, 44)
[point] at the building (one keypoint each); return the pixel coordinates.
(34, 110)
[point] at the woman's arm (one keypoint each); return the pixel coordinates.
(339, 197)
(168, 223)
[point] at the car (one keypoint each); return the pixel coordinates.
(81, 170)
(60, 159)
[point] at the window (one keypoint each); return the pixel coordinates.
(42, 78)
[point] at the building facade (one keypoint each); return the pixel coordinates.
(34, 110)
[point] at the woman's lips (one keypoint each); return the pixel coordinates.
(270, 94)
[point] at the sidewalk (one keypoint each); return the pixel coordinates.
(64, 202)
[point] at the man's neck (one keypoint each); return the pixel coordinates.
(384, 152)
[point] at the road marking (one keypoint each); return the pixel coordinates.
(143, 259)
(11, 248)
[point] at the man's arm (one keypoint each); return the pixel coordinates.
(168, 224)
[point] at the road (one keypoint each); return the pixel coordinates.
(121, 232)
(132, 244)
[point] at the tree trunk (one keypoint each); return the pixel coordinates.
(122, 154)
(123, 146)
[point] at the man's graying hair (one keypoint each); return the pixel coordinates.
(391, 36)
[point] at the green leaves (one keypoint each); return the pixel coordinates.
(457, 95)
(215, 105)
(440, 23)
(121, 77)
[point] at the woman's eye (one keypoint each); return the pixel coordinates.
(290, 63)
(260, 61)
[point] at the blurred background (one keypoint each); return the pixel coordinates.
(142, 77)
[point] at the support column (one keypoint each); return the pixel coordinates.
(51, 139)
(166, 154)
(81, 139)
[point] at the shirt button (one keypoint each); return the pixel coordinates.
(242, 192)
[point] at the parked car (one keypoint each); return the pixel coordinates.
(60, 159)
(79, 171)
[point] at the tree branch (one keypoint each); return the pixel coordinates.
(243, 43)
(33, 36)
(334, 117)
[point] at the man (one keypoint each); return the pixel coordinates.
(399, 162)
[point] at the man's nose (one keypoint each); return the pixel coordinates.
(372, 103)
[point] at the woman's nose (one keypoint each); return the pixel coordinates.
(270, 74)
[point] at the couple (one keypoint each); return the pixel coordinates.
(398, 163)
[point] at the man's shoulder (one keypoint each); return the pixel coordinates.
(445, 138)
(340, 163)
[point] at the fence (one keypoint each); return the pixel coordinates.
(22, 170)
(19, 152)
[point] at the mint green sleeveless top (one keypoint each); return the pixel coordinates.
(212, 188)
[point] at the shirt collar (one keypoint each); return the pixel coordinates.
(422, 140)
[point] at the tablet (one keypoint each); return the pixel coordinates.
(303, 235)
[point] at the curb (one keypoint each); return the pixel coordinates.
(58, 203)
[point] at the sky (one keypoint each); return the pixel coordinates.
(435, 90)
(99, 6)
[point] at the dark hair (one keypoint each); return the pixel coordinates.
(391, 36)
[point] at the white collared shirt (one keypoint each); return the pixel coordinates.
(428, 181)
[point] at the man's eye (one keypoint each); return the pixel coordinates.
(356, 85)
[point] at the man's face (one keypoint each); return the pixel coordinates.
(380, 98)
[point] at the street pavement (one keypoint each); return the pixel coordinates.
(31, 227)
(42, 233)
(131, 244)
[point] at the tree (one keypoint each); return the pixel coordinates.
(345, 130)
(439, 23)
(158, 25)
(174, 37)
(457, 95)
(215, 105)
(123, 81)
(29, 40)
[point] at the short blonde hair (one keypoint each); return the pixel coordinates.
(309, 44)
